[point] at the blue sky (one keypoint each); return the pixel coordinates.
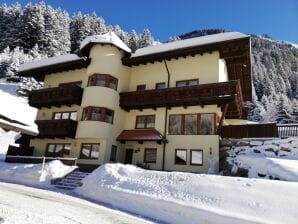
(165, 18)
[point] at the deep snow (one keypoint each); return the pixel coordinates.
(24, 205)
(31, 174)
(176, 197)
(275, 158)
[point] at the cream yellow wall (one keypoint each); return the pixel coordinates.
(205, 142)
(223, 71)
(55, 79)
(203, 67)
(40, 146)
(107, 60)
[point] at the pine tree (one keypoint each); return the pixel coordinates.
(79, 30)
(32, 27)
(146, 39)
(133, 42)
(97, 24)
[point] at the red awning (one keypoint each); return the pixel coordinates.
(140, 135)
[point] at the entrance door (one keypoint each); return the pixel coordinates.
(128, 156)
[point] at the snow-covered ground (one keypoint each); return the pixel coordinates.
(275, 159)
(176, 197)
(33, 174)
(24, 205)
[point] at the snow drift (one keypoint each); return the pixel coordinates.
(175, 197)
(30, 174)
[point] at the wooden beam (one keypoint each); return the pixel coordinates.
(222, 118)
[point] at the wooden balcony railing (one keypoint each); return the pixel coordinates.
(205, 94)
(57, 96)
(56, 128)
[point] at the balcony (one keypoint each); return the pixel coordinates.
(56, 128)
(57, 96)
(206, 94)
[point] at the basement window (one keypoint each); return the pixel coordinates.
(196, 157)
(180, 156)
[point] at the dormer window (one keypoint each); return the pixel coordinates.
(103, 80)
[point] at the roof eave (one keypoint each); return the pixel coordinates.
(176, 53)
(39, 73)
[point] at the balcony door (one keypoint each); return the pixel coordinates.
(128, 156)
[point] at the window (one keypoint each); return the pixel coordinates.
(175, 122)
(192, 124)
(103, 80)
(150, 155)
(180, 156)
(207, 124)
(113, 153)
(145, 121)
(98, 114)
(196, 157)
(89, 151)
(191, 82)
(78, 83)
(65, 115)
(58, 150)
(160, 85)
(141, 87)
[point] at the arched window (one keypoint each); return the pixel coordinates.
(103, 80)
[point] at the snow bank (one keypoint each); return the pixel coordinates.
(175, 197)
(272, 158)
(259, 165)
(30, 174)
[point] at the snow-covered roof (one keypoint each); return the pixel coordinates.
(48, 62)
(187, 43)
(107, 38)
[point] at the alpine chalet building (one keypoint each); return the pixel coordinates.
(161, 107)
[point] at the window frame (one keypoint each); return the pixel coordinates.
(141, 87)
(102, 114)
(146, 121)
(198, 123)
(115, 159)
(145, 159)
(196, 164)
(64, 112)
(55, 146)
(90, 152)
(175, 161)
(187, 81)
(160, 83)
(107, 80)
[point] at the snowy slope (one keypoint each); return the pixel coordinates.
(16, 108)
(176, 197)
(24, 205)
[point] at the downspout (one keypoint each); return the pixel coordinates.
(166, 120)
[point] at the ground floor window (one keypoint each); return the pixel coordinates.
(58, 150)
(113, 157)
(150, 155)
(180, 156)
(196, 157)
(90, 151)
